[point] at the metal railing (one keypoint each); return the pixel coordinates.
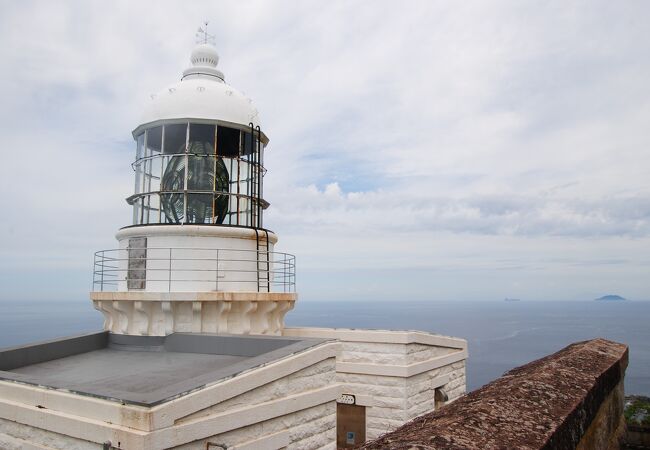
(182, 269)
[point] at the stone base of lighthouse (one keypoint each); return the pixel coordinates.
(163, 313)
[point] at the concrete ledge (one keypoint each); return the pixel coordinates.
(193, 230)
(141, 296)
(570, 399)
(390, 370)
(378, 336)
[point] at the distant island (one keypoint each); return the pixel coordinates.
(610, 298)
(511, 299)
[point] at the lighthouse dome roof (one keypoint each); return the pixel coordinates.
(202, 94)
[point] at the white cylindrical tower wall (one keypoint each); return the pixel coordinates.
(194, 258)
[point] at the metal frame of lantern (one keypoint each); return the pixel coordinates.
(235, 201)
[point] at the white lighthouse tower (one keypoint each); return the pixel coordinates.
(196, 257)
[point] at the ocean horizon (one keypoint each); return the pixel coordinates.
(501, 335)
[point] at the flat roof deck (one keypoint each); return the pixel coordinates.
(142, 370)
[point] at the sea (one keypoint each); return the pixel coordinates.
(500, 335)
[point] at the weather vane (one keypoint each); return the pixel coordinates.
(202, 35)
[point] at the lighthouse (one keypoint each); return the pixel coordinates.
(196, 256)
(194, 353)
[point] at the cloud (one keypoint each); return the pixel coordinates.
(437, 136)
(393, 212)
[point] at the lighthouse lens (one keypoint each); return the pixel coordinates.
(205, 175)
(198, 173)
(172, 185)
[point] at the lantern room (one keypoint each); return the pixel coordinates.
(199, 152)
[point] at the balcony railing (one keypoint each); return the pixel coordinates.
(180, 269)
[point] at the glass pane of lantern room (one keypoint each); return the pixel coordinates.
(220, 212)
(201, 173)
(154, 208)
(154, 140)
(199, 208)
(138, 164)
(247, 144)
(154, 170)
(136, 212)
(140, 146)
(228, 142)
(172, 207)
(175, 136)
(146, 205)
(153, 166)
(172, 186)
(244, 211)
(202, 139)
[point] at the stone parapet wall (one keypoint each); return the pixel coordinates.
(570, 399)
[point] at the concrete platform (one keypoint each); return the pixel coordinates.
(142, 370)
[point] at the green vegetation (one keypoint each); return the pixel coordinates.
(637, 410)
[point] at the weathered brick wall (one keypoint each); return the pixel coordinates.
(570, 399)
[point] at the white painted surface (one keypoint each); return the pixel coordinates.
(192, 230)
(204, 60)
(201, 94)
(203, 258)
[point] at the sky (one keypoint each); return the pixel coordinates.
(419, 150)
